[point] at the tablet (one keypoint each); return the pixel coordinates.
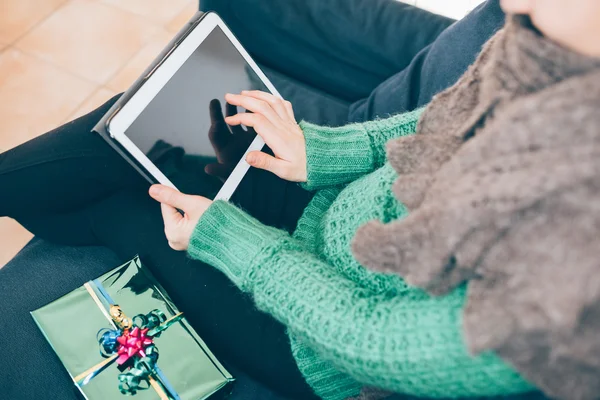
(171, 109)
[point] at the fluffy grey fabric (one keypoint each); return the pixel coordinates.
(503, 183)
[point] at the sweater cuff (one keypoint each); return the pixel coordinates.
(336, 155)
(229, 239)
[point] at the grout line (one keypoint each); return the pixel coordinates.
(148, 19)
(13, 45)
(142, 48)
(160, 25)
(73, 73)
(96, 85)
(71, 115)
(57, 66)
(37, 24)
(122, 68)
(126, 63)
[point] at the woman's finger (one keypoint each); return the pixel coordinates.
(261, 160)
(263, 127)
(255, 105)
(275, 102)
(172, 197)
(259, 94)
(248, 119)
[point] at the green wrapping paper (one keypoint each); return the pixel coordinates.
(71, 325)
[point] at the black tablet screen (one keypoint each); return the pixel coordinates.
(182, 130)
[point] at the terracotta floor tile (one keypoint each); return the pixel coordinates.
(13, 237)
(18, 16)
(180, 20)
(160, 11)
(134, 68)
(89, 38)
(35, 96)
(98, 98)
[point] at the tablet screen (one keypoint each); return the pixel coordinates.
(182, 131)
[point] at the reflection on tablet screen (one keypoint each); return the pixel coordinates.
(182, 129)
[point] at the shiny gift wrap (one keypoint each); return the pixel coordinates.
(121, 335)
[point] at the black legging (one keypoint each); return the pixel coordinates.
(69, 186)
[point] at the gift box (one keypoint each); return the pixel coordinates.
(122, 335)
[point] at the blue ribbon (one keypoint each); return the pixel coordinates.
(138, 376)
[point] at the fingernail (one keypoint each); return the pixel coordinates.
(249, 159)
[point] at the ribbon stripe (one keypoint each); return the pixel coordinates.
(130, 343)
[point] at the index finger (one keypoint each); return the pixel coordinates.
(259, 94)
(277, 103)
(262, 126)
(255, 105)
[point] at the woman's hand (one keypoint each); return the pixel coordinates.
(179, 228)
(273, 119)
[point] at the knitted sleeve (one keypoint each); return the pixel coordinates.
(340, 155)
(404, 342)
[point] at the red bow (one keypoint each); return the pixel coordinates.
(132, 342)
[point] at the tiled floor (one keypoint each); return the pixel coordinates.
(61, 58)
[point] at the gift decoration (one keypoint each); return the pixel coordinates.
(130, 345)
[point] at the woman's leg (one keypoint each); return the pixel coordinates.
(129, 222)
(343, 47)
(435, 68)
(121, 215)
(57, 175)
(62, 170)
(38, 275)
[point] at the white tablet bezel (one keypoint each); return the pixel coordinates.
(180, 53)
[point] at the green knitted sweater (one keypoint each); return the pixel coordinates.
(347, 324)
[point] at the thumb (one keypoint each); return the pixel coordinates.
(172, 197)
(261, 160)
(171, 216)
